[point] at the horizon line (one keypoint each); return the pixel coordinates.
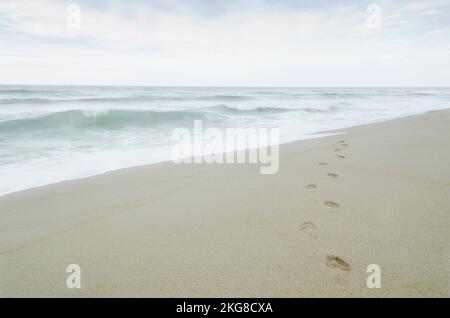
(224, 86)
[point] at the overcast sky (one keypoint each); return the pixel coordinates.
(226, 43)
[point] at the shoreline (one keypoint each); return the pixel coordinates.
(224, 230)
(316, 135)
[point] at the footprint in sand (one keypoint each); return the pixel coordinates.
(331, 204)
(344, 145)
(339, 263)
(309, 228)
(341, 157)
(307, 225)
(331, 174)
(337, 149)
(310, 186)
(322, 163)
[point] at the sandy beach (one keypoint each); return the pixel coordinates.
(374, 194)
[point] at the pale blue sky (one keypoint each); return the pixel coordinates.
(226, 43)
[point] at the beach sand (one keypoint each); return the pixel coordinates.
(199, 230)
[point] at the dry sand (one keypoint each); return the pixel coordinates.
(225, 230)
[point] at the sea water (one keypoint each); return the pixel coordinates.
(55, 133)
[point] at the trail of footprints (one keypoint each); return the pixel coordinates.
(332, 261)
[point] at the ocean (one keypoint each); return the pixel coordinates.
(54, 133)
